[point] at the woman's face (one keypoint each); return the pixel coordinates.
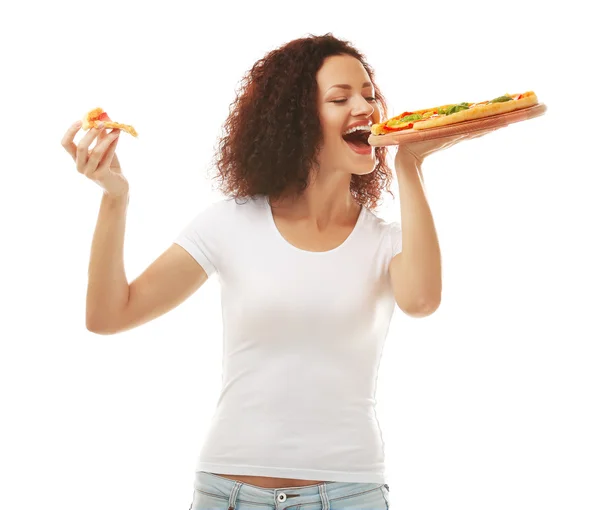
(341, 107)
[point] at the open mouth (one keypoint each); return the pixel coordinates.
(358, 141)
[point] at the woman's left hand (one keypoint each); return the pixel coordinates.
(416, 152)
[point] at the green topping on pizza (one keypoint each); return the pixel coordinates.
(406, 118)
(453, 109)
(410, 118)
(501, 99)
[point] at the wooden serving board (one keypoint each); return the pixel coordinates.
(493, 121)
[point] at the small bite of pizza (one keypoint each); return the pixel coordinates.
(454, 113)
(93, 117)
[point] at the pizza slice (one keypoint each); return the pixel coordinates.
(93, 117)
(454, 113)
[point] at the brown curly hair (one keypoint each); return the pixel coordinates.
(273, 132)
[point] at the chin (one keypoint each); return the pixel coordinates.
(364, 169)
(363, 165)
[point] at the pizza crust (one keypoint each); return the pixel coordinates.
(97, 115)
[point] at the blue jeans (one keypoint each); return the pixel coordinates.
(214, 492)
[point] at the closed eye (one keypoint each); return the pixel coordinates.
(344, 100)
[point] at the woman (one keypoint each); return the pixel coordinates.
(310, 278)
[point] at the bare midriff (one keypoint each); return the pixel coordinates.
(267, 482)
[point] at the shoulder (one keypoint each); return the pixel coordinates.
(228, 207)
(381, 225)
(389, 233)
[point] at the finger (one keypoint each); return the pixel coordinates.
(98, 152)
(108, 156)
(454, 140)
(482, 133)
(103, 134)
(83, 146)
(67, 140)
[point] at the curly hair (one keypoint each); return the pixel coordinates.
(273, 133)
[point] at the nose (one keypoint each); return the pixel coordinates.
(363, 108)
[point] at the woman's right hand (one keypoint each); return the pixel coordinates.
(101, 165)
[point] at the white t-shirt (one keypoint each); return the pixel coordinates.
(303, 334)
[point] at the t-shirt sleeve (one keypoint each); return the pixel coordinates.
(201, 237)
(395, 231)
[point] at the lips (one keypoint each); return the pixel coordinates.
(358, 140)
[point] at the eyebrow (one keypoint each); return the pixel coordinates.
(348, 87)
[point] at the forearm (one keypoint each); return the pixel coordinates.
(420, 246)
(108, 289)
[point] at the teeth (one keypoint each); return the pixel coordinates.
(358, 128)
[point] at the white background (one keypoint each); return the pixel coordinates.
(489, 403)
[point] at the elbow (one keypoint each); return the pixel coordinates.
(99, 331)
(102, 320)
(98, 327)
(417, 314)
(421, 311)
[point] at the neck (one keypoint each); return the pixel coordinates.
(319, 209)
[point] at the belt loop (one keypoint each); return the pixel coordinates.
(324, 498)
(234, 494)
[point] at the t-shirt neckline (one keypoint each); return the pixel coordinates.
(273, 226)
